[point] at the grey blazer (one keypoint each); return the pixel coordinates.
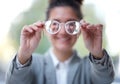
(41, 70)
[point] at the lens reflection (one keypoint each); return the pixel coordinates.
(71, 27)
(54, 26)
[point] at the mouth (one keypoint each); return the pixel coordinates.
(64, 39)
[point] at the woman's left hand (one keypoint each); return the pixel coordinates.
(92, 36)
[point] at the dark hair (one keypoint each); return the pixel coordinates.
(75, 4)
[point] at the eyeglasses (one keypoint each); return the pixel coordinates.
(71, 27)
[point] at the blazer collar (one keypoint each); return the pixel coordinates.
(50, 69)
(75, 62)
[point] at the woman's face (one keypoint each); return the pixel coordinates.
(62, 40)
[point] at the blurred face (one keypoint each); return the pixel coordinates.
(62, 40)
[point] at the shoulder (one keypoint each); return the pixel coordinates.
(83, 61)
(37, 62)
(37, 58)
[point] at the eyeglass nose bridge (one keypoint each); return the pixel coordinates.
(62, 25)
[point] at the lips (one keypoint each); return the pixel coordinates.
(63, 39)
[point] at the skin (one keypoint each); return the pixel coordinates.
(62, 42)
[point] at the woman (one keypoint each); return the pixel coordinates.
(61, 64)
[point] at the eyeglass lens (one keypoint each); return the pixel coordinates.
(71, 27)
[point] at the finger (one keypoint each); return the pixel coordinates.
(26, 28)
(91, 26)
(33, 27)
(36, 29)
(39, 24)
(99, 26)
(84, 23)
(38, 33)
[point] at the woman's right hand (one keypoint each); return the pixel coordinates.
(29, 40)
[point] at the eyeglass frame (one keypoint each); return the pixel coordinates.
(48, 22)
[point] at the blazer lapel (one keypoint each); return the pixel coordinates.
(50, 74)
(74, 64)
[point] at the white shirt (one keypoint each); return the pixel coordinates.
(61, 68)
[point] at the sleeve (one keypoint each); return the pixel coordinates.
(19, 75)
(102, 71)
(20, 66)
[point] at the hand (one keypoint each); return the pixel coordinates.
(29, 40)
(92, 36)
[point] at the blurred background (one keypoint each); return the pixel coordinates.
(14, 14)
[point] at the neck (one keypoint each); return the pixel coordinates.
(63, 55)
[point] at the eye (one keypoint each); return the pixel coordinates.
(52, 26)
(54, 23)
(72, 27)
(72, 24)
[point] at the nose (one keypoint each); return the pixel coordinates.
(62, 29)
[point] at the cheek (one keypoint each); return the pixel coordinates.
(51, 38)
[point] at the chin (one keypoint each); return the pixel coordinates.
(64, 48)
